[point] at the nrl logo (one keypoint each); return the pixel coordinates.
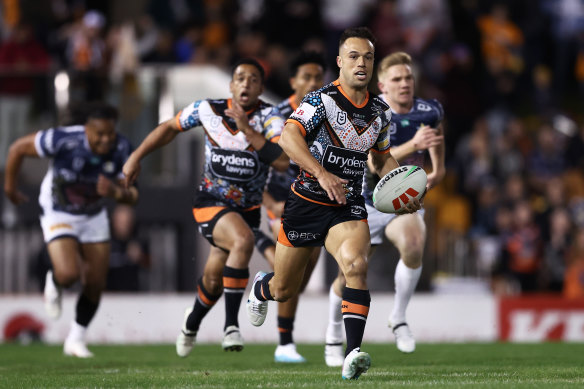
(341, 117)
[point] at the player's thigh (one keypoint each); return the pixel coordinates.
(95, 262)
(65, 256)
(407, 232)
(348, 242)
(231, 231)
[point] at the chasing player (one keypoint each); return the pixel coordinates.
(86, 167)
(240, 136)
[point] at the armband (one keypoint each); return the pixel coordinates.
(270, 152)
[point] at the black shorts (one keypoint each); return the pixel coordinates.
(207, 210)
(306, 223)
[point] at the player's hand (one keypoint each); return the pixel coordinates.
(426, 137)
(131, 170)
(106, 187)
(434, 178)
(15, 196)
(333, 186)
(412, 206)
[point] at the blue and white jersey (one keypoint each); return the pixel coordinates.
(403, 127)
(70, 184)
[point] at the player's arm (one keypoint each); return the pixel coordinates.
(22, 147)
(294, 145)
(117, 191)
(437, 159)
(425, 138)
(160, 136)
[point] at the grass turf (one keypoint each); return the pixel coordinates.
(496, 365)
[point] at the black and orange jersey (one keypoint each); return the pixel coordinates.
(339, 134)
(233, 172)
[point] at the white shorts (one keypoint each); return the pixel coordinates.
(377, 221)
(84, 228)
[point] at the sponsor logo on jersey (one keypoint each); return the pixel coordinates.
(392, 128)
(78, 163)
(341, 117)
(109, 167)
(344, 163)
(234, 164)
(423, 107)
(293, 235)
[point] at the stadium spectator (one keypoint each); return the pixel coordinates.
(86, 167)
(240, 134)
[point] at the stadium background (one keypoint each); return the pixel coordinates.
(509, 74)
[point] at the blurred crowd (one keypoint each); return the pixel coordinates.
(509, 74)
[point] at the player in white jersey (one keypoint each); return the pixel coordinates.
(416, 127)
(86, 166)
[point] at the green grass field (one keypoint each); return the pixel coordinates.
(549, 365)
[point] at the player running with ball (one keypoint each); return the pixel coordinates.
(416, 127)
(333, 125)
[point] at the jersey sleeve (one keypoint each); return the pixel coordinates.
(439, 110)
(124, 149)
(46, 142)
(309, 114)
(189, 116)
(273, 125)
(382, 145)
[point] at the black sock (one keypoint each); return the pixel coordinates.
(262, 288)
(285, 327)
(85, 310)
(355, 307)
(234, 283)
(203, 304)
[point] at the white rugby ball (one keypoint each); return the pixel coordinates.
(395, 189)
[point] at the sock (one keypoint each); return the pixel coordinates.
(334, 331)
(355, 310)
(85, 310)
(406, 280)
(203, 304)
(234, 283)
(262, 288)
(77, 332)
(285, 327)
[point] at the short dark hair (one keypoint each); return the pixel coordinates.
(100, 110)
(307, 57)
(249, 61)
(357, 32)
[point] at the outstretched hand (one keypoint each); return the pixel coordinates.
(131, 170)
(426, 137)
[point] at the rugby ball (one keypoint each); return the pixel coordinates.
(395, 189)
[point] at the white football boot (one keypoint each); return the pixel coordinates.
(356, 363)
(52, 297)
(76, 348)
(256, 309)
(287, 354)
(333, 354)
(185, 339)
(404, 340)
(232, 339)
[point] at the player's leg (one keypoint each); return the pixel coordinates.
(233, 234)
(66, 259)
(349, 243)
(408, 234)
(94, 268)
(286, 350)
(333, 349)
(209, 290)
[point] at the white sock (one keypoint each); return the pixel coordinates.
(406, 280)
(334, 331)
(77, 332)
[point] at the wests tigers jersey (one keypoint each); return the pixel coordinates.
(339, 134)
(403, 127)
(233, 172)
